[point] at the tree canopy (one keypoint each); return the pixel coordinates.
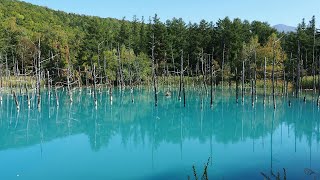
(88, 40)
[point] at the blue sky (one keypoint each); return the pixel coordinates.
(289, 12)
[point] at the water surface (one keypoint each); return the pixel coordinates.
(126, 140)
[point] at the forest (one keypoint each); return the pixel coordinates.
(64, 48)
(81, 96)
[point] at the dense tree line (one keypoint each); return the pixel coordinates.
(122, 48)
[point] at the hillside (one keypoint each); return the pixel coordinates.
(31, 18)
(54, 27)
(284, 28)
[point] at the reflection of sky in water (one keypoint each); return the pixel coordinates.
(138, 141)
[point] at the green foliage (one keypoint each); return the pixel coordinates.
(135, 67)
(308, 38)
(87, 40)
(307, 82)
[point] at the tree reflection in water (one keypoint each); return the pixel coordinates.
(225, 125)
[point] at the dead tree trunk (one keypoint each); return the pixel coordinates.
(28, 97)
(181, 74)
(318, 81)
(173, 64)
(313, 77)
(48, 81)
(273, 61)
(7, 69)
(264, 82)
(203, 70)
(237, 88)
(242, 81)
(189, 68)
(94, 85)
(1, 85)
(305, 67)
(39, 75)
(131, 79)
(154, 72)
(131, 87)
(298, 72)
(211, 81)
(105, 69)
(168, 79)
(313, 62)
(16, 100)
(69, 74)
(99, 66)
(184, 94)
(79, 78)
(87, 78)
(222, 65)
(182, 80)
(57, 97)
(120, 68)
(255, 75)
(252, 92)
(110, 93)
(284, 81)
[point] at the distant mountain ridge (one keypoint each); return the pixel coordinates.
(284, 28)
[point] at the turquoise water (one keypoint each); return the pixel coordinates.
(126, 140)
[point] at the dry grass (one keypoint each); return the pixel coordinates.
(17, 81)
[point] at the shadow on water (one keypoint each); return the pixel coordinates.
(242, 140)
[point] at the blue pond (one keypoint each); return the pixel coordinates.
(125, 140)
